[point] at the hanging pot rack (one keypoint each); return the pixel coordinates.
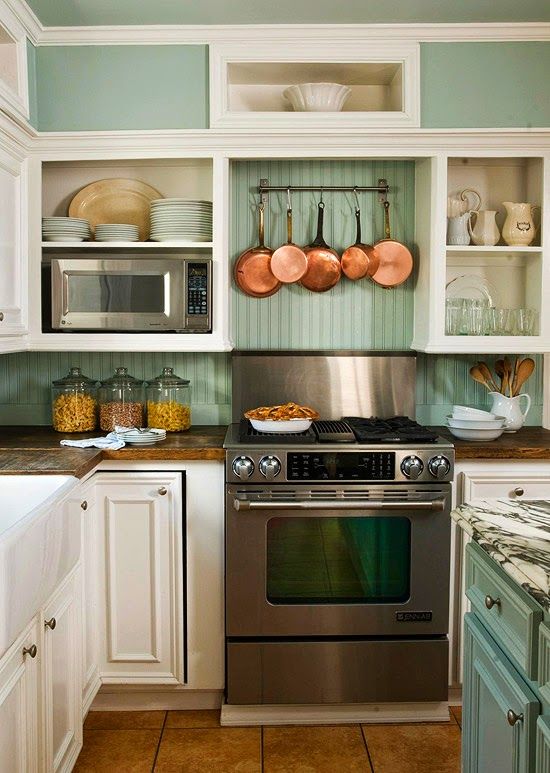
(382, 189)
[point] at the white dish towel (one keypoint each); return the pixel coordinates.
(111, 442)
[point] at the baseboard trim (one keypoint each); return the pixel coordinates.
(235, 716)
(109, 699)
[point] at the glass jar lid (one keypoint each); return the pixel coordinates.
(122, 378)
(168, 379)
(75, 378)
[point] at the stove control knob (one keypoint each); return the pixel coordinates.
(243, 467)
(411, 467)
(270, 467)
(439, 467)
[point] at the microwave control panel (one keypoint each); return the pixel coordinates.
(198, 285)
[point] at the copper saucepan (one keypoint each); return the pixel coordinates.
(396, 261)
(359, 260)
(252, 268)
(289, 262)
(323, 263)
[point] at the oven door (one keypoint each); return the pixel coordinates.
(355, 561)
(123, 294)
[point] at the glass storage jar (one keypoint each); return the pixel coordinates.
(168, 402)
(121, 401)
(74, 403)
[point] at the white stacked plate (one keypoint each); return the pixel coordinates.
(473, 424)
(141, 437)
(116, 232)
(181, 220)
(65, 229)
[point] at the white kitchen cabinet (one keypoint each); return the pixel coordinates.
(61, 681)
(140, 578)
(19, 673)
(85, 507)
(13, 249)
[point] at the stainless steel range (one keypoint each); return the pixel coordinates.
(337, 554)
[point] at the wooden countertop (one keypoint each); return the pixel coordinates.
(36, 450)
(526, 444)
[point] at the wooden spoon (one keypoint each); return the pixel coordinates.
(515, 376)
(486, 373)
(478, 376)
(499, 370)
(508, 376)
(525, 369)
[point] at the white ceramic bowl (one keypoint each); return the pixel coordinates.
(292, 425)
(465, 412)
(317, 97)
(476, 423)
(476, 434)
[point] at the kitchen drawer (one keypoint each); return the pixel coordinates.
(544, 661)
(507, 485)
(514, 619)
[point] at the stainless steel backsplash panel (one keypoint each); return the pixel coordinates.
(334, 383)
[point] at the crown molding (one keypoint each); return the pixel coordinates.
(26, 17)
(205, 34)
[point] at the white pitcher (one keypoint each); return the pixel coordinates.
(519, 229)
(458, 229)
(485, 230)
(510, 408)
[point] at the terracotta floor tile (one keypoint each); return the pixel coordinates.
(123, 751)
(184, 719)
(419, 748)
(323, 749)
(214, 750)
(124, 720)
(456, 711)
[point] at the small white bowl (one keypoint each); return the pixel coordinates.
(292, 425)
(317, 97)
(476, 423)
(476, 434)
(465, 412)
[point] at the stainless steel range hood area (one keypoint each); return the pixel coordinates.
(335, 383)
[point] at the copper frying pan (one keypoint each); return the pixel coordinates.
(289, 262)
(323, 263)
(359, 260)
(252, 268)
(396, 261)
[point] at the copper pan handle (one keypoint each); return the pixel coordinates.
(289, 225)
(387, 219)
(358, 224)
(261, 227)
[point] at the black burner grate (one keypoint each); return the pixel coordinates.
(398, 429)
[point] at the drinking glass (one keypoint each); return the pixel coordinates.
(526, 322)
(454, 316)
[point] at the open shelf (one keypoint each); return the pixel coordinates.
(473, 249)
(149, 246)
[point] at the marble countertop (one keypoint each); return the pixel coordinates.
(517, 536)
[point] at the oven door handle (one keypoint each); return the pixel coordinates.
(339, 504)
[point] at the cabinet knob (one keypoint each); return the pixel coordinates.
(1, 316)
(32, 650)
(513, 718)
(50, 623)
(84, 505)
(490, 602)
(519, 492)
(163, 491)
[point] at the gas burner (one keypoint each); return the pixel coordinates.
(398, 429)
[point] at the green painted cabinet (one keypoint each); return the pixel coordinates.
(543, 745)
(500, 710)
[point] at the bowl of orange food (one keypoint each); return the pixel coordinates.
(289, 417)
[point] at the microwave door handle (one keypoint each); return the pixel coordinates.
(65, 292)
(369, 504)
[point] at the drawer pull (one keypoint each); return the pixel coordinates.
(32, 650)
(163, 491)
(50, 623)
(513, 718)
(490, 602)
(84, 505)
(519, 492)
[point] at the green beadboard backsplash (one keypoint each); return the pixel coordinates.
(353, 315)
(25, 380)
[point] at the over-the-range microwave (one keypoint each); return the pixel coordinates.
(128, 293)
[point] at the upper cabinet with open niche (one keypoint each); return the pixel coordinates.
(247, 84)
(14, 92)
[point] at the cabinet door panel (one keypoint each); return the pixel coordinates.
(141, 579)
(18, 707)
(543, 745)
(492, 688)
(12, 247)
(85, 508)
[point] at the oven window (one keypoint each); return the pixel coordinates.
(119, 293)
(338, 560)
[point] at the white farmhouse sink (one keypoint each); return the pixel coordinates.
(39, 543)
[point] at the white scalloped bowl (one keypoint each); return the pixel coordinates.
(291, 425)
(317, 97)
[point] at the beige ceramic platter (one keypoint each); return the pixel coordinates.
(116, 200)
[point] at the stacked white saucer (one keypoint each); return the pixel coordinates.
(468, 423)
(116, 232)
(181, 220)
(140, 437)
(65, 229)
